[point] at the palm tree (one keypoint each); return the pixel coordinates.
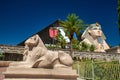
(72, 24)
(61, 40)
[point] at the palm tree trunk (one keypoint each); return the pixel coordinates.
(71, 49)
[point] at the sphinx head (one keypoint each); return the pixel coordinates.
(94, 30)
(32, 41)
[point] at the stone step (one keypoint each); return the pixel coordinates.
(40, 73)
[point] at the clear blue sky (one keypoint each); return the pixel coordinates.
(19, 19)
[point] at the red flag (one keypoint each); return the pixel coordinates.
(53, 32)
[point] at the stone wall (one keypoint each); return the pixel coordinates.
(11, 53)
(115, 49)
(106, 56)
(15, 53)
(12, 49)
(99, 56)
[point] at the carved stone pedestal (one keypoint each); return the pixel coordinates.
(40, 74)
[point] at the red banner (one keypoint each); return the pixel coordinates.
(53, 32)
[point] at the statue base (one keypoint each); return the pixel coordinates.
(40, 74)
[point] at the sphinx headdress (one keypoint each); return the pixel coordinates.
(92, 27)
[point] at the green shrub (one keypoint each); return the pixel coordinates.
(102, 70)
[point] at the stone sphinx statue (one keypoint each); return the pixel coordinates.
(93, 35)
(36, 55)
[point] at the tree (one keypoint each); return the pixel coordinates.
(84, 46)
(72, 24)
(92, 47)
(61, 40)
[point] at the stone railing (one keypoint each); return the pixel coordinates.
(99, 56)
(108, 56)
(12, 49)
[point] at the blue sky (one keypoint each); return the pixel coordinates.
(19, 19)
